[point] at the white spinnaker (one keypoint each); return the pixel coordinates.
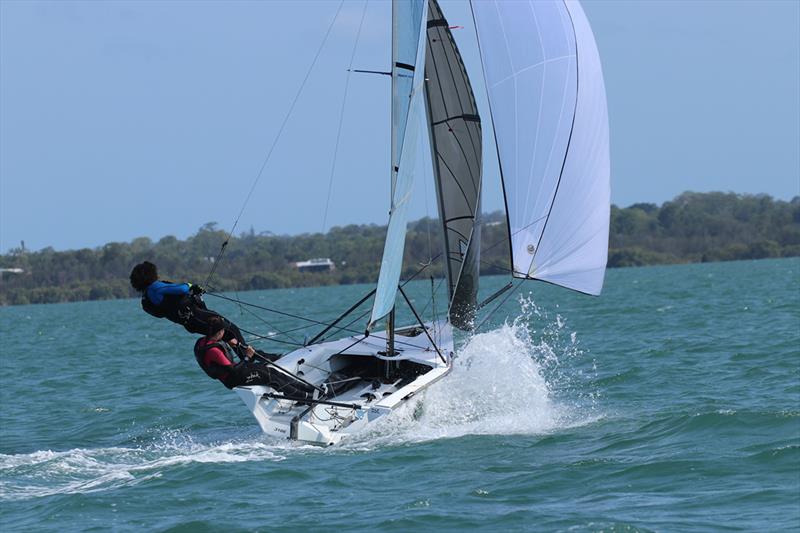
(392, 260)
(548, 104)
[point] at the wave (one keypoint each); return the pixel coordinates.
(84, 470)
(515, 379)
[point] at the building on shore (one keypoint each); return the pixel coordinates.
(6, 271)
(321, 264)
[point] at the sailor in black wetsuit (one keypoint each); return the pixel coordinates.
(216, 359)
(181, 303)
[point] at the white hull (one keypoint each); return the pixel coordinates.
(376, 383)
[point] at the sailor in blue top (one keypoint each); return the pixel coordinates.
(181, 303)
(158, 289)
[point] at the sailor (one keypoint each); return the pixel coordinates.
(216, 358)
(181, 303)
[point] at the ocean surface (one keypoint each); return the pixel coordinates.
(670, 403)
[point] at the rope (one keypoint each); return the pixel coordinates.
(505, 299)
(317, 322)
(502, 302)
(269, 338)
(272, 147)
(217, 295)
(306, 319)
(436, 289)
(341, 117)
(264, 321)
(499, 267)
(346, 327)
(433, 308)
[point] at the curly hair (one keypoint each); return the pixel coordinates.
(143, 275)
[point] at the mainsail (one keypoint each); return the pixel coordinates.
(407, 106)
(548, 105)
(455, 135)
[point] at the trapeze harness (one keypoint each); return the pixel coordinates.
(214, 371)
(174, 307)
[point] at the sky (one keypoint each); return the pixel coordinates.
(125, 119)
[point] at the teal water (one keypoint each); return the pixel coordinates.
(671, 403)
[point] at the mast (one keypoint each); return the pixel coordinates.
(407, 105)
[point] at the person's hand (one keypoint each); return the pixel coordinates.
(197, 290)
(249, 352)
(233, 342)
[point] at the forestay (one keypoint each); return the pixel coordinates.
(403, 171)
(548, 105)
(455, 134)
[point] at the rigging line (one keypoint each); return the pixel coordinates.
(365, 313)
(311, 320)
(494, 134)
(427, 219)
(341, 317)
(346, 326)
(438, 331)
(341, 116)
(526, 226)
(500, 267)
(283, 370)
(368, 311)
(502, 302)
(271, 326)
(241, 307)
(292, 316)
(269, 338)
(290, 330)
(362, 339)
(361, 71)
(418, 272)
(422, 324)
(494, 296)
(274, 142)
(431, 300)
(212, 292)
(428, 225)
(217, 295)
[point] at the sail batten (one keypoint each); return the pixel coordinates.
(548, 106)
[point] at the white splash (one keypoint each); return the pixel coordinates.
(512, 380)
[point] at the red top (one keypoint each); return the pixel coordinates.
(213, 355)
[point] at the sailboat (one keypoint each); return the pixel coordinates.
(549, 121)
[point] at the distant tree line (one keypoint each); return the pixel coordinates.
(703, 227)
(694, 227)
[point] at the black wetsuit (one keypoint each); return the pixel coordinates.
(177, 303)
(231, 374)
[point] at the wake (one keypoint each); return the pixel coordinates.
(515, 380)
(86, 470)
